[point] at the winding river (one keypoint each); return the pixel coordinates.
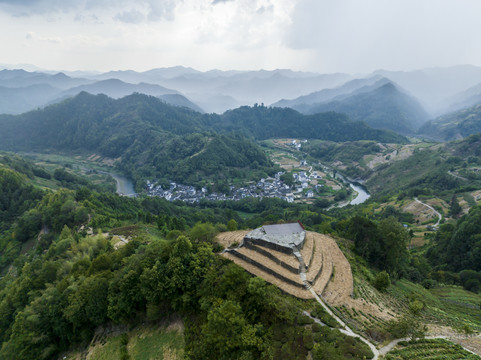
(362, 194)
(125, 186)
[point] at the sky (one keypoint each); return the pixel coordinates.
(325, 36)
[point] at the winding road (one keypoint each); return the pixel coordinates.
(433, 209)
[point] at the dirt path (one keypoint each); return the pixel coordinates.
(457, 176)
(433, 209)
(346, 329)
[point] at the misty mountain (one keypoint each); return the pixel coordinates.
(24, 91)
(327, 94)
(465, 99)
(377, 101)
(456, 125)
(229, 89)
(384, 107)
(21, 99)
(434, 87)
(22, 78)
(115, 88)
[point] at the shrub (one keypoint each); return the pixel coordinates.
(382, 281)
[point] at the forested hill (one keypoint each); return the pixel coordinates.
(154, 140)
(263, 123)
(456, 125)
(97, 122)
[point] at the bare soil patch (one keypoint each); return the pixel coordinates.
(421, 213)
(340, 287)
(226, 239)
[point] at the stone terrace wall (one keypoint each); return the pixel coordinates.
(272, 257)
(269, 245)
(265, 268)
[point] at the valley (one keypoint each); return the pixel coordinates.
(123, 221)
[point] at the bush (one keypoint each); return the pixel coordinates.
(472, 285)
(382, 281)
(316, 327)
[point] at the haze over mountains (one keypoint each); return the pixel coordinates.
(392, 100)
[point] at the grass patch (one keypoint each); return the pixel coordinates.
(109, 351)
(155, 343)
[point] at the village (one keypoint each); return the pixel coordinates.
(305, 186)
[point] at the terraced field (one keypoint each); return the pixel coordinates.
(429, 349)
(320, 254)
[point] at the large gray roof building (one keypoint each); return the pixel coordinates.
(280, 237)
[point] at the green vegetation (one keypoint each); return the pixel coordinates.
(429, 349)
(349, 153)
(383, 244)
(154, 140)
(69, 283)
(76, 256)
(460, 123)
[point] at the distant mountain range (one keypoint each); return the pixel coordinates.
(401, 101)
(212, 91)
(376, 100)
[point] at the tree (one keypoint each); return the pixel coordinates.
(394, 241)
(382, 281)
(203, 232)
(232, 225)
(455, 209)
(227, 333)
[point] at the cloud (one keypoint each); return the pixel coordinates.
(130, 17)
(34, 37)
(131, 11)
(352, 35)
(220, 1)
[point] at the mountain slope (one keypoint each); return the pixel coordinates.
(115, 88)
(433, 86)
(382, 107)
(261, 122)
(88, 121)
(22, 78)
(150, 138)
(21, 99)
(456, 125)
(153, 139)
(326, 94)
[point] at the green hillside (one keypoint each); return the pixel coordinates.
(456, 125)
(263, 123)
(70, 286)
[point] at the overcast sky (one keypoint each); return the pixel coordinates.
(355, 36)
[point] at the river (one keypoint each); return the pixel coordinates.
(125, 187)
(362, 194)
